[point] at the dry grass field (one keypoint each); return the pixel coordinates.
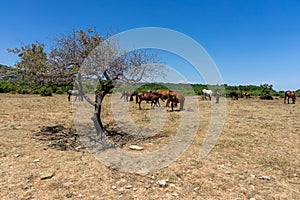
(256, 157)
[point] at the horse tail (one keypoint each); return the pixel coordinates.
(137, 98)
(131, 96)
(285, 94)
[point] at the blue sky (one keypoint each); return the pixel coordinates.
(251, 42)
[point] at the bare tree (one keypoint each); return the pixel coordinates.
(113, 66)
(88, 55)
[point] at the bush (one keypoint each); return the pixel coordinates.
(266, 92)
(59, 91)
(44, 91)
(23, 91)
(7, 87)
(298, 93)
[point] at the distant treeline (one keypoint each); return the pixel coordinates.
(10, 82)
(263, 91)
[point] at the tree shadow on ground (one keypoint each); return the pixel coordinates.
(122, 137)
(59, 137)
(67, 139)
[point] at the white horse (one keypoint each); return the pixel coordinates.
(75, 93)
(206, 93)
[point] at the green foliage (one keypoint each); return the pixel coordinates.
(6, 87)
(44, 91)
(32, 65)
(280, 94)
(266, 92)
(298, 93)
(151, 86)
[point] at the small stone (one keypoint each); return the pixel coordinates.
(148, 186)
(17, 155)
(128, 186)
(162, 183)
(47, 176)
(265, 177)
(121, 190)
(143, 171)
(78, 148)
(36, 160)
(172, 185)
(113, 187)
(136, 147)
(174, 194)
(196, 189)
(252, 175)
(242, 177)
(134, 189)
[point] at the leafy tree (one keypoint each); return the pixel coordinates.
(266, 92)
(32, 64)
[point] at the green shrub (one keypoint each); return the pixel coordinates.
(44, 91)
(6, 87)
(24, 91)
(59, 91)
(266, 92)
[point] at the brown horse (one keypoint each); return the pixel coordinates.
(246, 95)
(127, 94)
(288, 95)
(164, 93)
(176, 98)
(147, 96)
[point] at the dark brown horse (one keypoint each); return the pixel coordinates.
(175, 98)
(288, 95)
(147, 96)
(127, 94)
(246, 95)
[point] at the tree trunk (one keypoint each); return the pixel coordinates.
(80, 88)
(98, 107)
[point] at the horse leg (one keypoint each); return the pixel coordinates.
(152, 103)
(168, 103)
(140, 104)
(69, 97)
(156, 102)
